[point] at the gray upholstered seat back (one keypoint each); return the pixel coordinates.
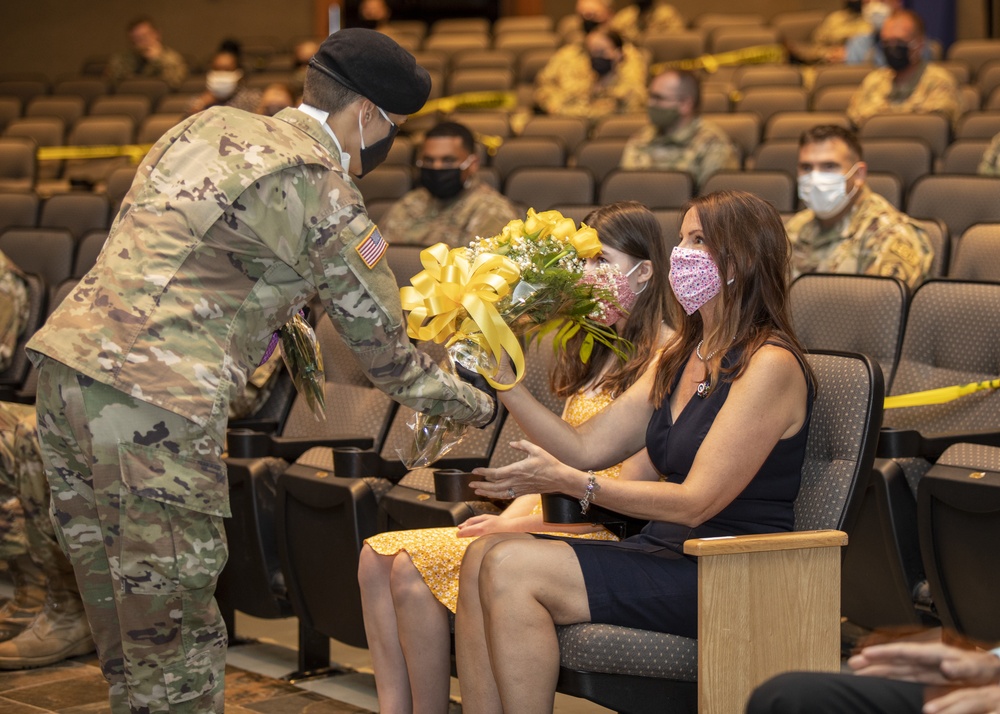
(850, 313)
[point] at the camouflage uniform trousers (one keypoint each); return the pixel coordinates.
(137, 496)
(25, 525)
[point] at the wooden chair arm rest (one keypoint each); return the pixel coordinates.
(794, 540)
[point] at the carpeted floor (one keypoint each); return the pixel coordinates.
(76, 687)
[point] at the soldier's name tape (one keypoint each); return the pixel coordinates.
(942, 395)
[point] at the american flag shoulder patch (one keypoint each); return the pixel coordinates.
(372, 247)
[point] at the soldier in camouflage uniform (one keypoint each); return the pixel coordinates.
(848, 228)
(44, 622)
(600, 76)
(677, 139)
(14, 309)
(828, 40)
(641, 18)
(451, 205)
(148, 57)
(909, 85)
(631, 22)
(234, 222)
(990, 164)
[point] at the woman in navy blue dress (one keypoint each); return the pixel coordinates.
(724, 418)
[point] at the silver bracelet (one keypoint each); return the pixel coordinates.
(591, 495)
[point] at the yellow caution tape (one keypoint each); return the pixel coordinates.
(759, 54)
(134, 152)
(941, 395)
(470, 100)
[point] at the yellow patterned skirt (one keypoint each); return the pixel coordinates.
(437, 552)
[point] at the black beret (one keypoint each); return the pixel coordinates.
(376, 67)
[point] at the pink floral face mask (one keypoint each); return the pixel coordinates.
(694, 278)
(610, 279)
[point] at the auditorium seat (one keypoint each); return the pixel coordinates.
(652, 187)
(18, 166)
(643, 672)
(977, 254)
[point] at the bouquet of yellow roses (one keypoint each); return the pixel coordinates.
(480, 300)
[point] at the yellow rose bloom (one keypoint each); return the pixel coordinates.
(513, 230)
(536, 226)
(564, 229)
(586, 242)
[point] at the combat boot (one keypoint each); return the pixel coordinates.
(29, 596)
(58, 632)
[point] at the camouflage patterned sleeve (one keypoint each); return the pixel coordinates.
(868, 97)
(563, 84)
(990, 164)
(361, 295)
(492, 213)
(718, 154)
(901, 249)
(940, 95)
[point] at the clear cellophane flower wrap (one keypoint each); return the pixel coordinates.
(481, 300)
(300, 350)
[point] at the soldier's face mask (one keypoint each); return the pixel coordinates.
(825, 192)
(897, 55)
(222, 84)
(875, 13)
(444, 183)
(853, 6)
(663, 118)
(372, 156)
(601, 65)
(589, 24)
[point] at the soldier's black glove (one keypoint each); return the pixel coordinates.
(479, 382)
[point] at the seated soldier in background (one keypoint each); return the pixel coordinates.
(846, 228)
(43, 622)
(601, 75)
(148, 57)
(631, 22)
(451, 205)
(865, 48)
(990, 164)
(828, 40)
(677, 139)
(224, 86)
(908, 84)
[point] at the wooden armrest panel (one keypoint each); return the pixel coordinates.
(793, 540)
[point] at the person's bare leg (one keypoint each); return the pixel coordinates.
(475, 675)
(424, 635)
(391, 681)
(526, 588)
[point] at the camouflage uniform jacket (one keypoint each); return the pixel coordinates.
(14, 309)
(990, 164)
(700, 148)
(418, 218)
(170, 67)
(931, 89)
(568, 85)
(631, 22)
(234, 222)
(872, 239)
(840, 26)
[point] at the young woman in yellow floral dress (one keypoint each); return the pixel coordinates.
(409, 579)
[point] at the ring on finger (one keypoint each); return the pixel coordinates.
(510, 493)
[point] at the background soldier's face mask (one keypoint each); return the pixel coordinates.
(825, 192)
(444, 183)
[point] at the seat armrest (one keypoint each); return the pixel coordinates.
(794, 540)
(291, 449)
(904, 443)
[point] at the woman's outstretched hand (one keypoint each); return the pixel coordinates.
(537, 472)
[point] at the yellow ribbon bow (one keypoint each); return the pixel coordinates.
(941, 395)
(452, 300)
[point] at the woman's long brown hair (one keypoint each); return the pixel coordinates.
(746, 238)
(630, 227)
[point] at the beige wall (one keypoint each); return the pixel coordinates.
(54, 36)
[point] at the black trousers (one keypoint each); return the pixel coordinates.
(824, 693)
